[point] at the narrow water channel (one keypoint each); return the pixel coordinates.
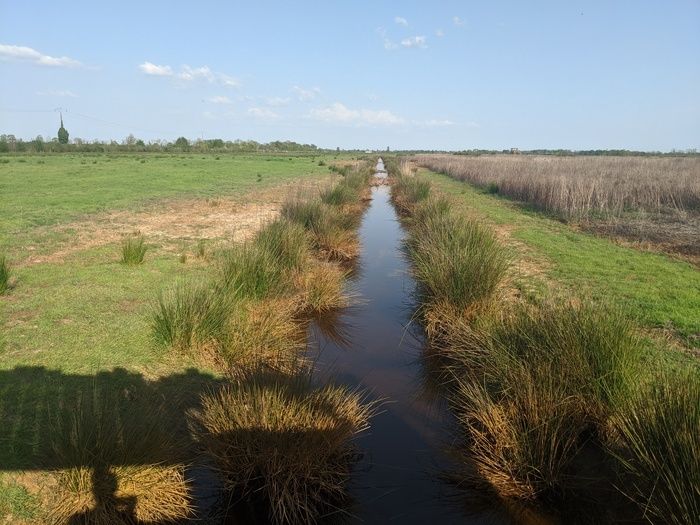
(398, 479)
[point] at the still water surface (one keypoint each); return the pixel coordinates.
(398, 479)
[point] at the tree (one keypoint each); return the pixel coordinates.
(182, 143)
(62, 133)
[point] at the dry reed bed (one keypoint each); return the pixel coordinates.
(272, 435)
(580, 187)
(559, 403)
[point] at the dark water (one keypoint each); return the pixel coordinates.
(398, 480)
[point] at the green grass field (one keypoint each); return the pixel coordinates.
(85, 315)
(659, 291)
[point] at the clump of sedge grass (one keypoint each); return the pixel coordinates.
(125, 464)
(133, 249)
(262, 336)
(548, 379)
(339, 195)
(330, 227)
(251, 271)
(5, 273)
(190, 315)
(283, 441)
(660, 438)
(323, 288)
(287, 241)
(456, 260)
(409, 191)
(201, 248)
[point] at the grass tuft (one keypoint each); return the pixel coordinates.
(456, 260)
(191, 315)
(284, 441)
(323, 289)
(133, 249)
(549, 378)
(251, 271)
(262, 336)
(659, 430)
(5, 273)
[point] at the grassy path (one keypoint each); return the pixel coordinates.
(661, 292)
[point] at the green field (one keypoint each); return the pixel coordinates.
(662, 293)
(85, 313)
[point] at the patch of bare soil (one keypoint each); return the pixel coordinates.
(170, 223)
(676, 234)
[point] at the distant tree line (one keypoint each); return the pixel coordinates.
(11, 144)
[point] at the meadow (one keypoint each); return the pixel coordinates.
(135, 284)
(154, 313)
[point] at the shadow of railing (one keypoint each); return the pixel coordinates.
(96, 427)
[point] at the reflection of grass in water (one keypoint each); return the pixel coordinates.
(283, 441)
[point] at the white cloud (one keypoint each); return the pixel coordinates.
(220, 100)
(57, 93)
(388, 44)
(27, 54)
(262, 113)
(439, 33)
(229, 81)
(190, 74)
(414, 41)
(156, 70)
(339, 113)
(457, 21)
(278, 101)
(436, 123)
(305, 95)
(401, 21)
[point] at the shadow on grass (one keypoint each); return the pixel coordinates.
(108, 436)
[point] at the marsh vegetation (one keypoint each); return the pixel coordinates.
(642, 199)
(558, 400)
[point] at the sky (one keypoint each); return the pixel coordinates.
(357, 74)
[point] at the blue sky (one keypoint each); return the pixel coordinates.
(444, 75)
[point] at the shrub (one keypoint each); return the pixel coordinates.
(284, 441)
(133, 249)
(492, 188)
